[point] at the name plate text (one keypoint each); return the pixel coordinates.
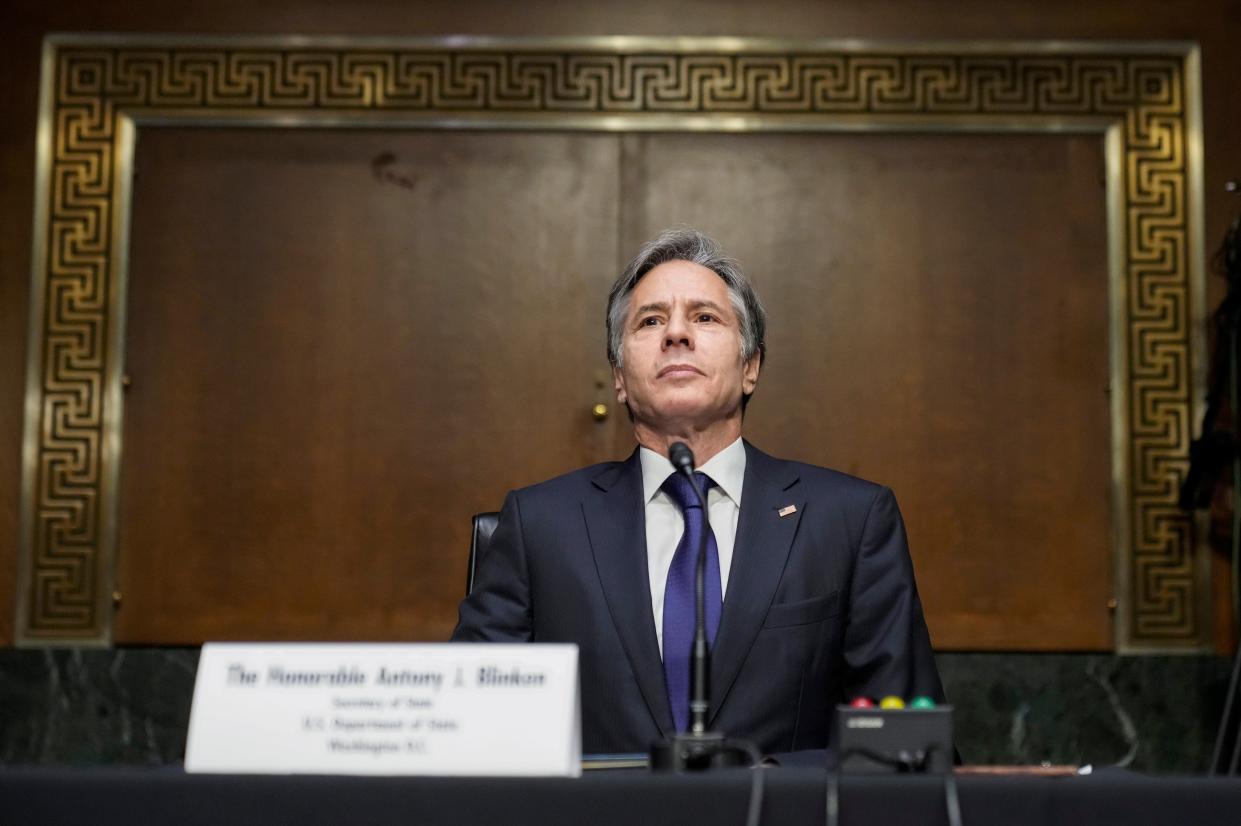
(418, 709)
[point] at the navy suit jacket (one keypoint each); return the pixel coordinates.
(820, 606)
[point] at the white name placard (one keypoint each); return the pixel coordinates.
(425, 709)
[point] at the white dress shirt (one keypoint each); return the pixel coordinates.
(665, 524)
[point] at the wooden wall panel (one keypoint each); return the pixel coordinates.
(939, 323)
(341, 345)
(373, 302)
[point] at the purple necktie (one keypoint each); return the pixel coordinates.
(679, 593)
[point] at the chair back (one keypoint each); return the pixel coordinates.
(483, 526)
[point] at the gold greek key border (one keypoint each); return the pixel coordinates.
(97, 90)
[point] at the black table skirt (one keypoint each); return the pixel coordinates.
(132, 797)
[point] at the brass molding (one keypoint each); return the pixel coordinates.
(98, 91)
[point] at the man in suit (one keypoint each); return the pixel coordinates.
(811, 597)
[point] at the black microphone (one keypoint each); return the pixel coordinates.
(698, 748)
(682, 459)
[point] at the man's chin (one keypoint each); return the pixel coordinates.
(678, 418)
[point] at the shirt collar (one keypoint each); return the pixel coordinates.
(726, 468)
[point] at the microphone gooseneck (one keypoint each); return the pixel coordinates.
(698, 749)
(682, 459)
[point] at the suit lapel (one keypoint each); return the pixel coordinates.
(616, 522)
(760, 551)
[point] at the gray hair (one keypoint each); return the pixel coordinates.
(686, 244)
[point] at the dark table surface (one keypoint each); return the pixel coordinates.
(791, 796)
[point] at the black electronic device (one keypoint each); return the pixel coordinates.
(873, 740)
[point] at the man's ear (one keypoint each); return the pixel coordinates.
(618, 382)
(749, 373)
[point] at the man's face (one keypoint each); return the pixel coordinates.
(681, 350)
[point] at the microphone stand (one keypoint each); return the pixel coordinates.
(699, 749)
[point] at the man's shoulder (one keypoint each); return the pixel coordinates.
(819, 475)
(573, 482)
(815, 478)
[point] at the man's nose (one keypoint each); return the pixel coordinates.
(679, 332)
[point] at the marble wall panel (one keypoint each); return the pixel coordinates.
(130, 706)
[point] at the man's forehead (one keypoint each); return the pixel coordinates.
(683, 281)
(690, 303)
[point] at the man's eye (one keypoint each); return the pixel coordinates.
(649, 321)
(706, 317)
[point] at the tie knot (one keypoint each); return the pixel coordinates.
(679, 489)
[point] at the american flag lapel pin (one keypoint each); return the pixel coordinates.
(787, 509)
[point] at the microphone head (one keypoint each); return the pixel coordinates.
(681, 456)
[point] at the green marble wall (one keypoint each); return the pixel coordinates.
(1155, 714)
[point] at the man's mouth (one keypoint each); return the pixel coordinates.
(679, 369)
